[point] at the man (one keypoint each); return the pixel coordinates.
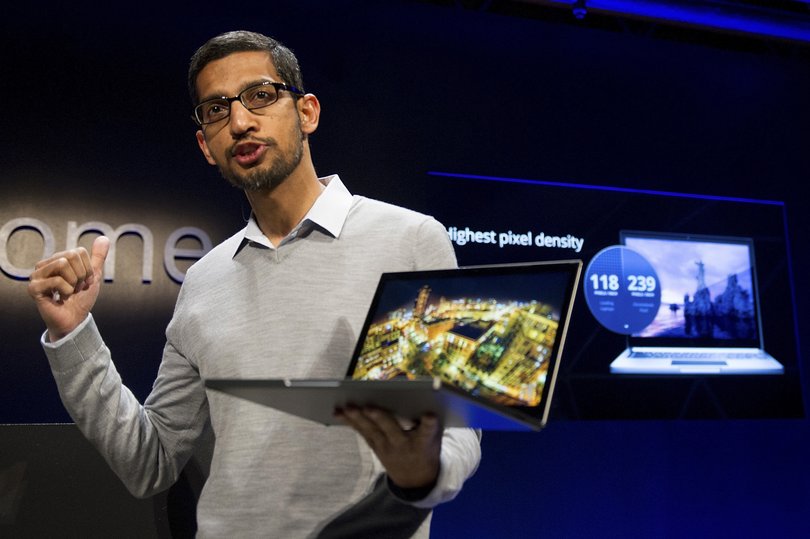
(285, 297)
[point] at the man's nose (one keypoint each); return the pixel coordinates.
(241, 119)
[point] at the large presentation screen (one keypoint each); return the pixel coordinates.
(685, 308)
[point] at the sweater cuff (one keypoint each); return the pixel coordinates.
(75, 347)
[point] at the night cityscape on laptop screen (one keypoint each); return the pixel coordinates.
(485, 335)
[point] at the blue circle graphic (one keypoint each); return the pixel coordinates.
(622, 290)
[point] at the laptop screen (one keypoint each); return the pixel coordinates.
(491, 331)
(708, 290)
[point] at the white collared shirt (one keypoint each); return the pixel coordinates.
(329, 212)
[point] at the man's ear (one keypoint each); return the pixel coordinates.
(204, 147)
(309, 111)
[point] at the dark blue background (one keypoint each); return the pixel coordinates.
(95, 102)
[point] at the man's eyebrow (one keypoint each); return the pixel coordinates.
(242, 88)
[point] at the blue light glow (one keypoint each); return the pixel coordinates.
(605, 188)
(743, 19)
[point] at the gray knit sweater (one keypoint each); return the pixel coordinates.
(252, 311)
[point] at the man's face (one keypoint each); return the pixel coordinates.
(254, 150)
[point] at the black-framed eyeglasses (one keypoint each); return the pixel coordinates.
(252, 98)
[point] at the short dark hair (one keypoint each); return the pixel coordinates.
(218, 47)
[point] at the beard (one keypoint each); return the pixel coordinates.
(273, 174)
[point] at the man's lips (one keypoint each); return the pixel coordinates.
(247, 153)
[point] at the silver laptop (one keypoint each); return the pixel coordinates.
(709, 320)
(477, 346)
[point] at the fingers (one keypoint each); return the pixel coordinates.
(381, 429)
(101, 246)
(411, 456)
(429, 427)
(64, 273)
(61, 285)
(81, 272)
(69, 271)
(366, 422)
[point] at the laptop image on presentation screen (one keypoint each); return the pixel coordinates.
(478, 346)
(709, 320)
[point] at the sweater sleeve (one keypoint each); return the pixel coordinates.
(432, 248)
(461, 453)
(145, 445)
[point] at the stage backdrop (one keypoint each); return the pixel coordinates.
(492, 123)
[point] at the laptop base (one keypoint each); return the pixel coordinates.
(317, 400)
(695, 361)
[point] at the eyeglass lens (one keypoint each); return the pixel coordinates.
(252, 98)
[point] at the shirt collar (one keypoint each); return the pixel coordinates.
(329, 212)
(332, 207)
